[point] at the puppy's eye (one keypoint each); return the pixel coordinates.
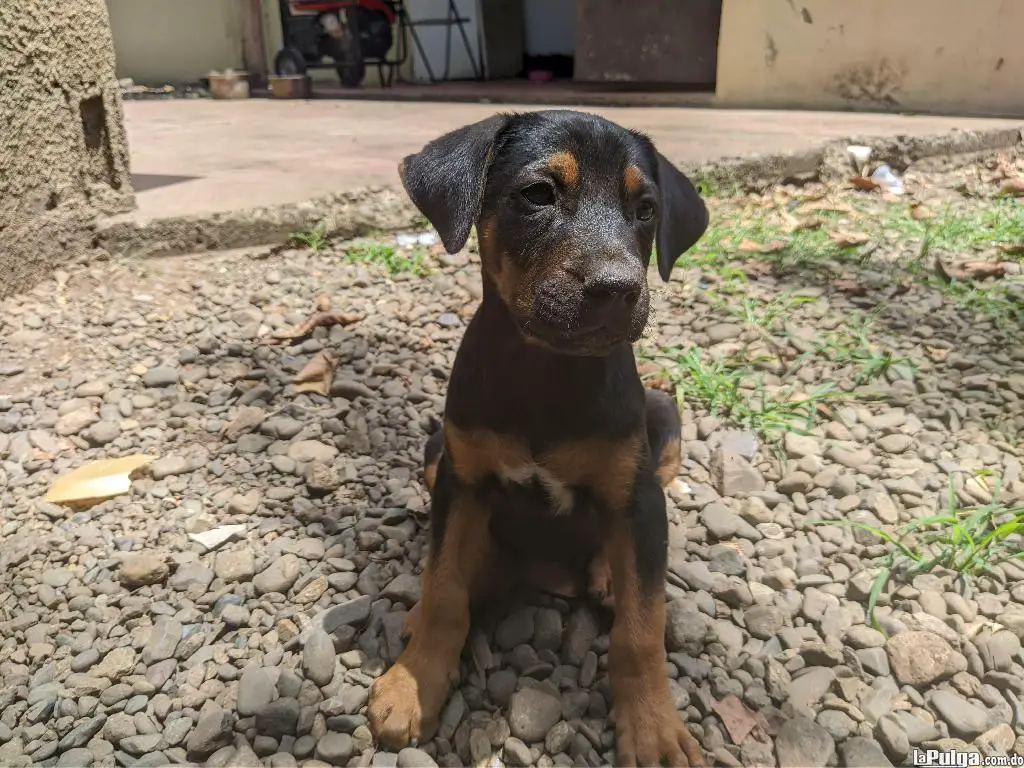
(645, 211)
(540, 193)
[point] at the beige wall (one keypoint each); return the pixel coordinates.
(175, 41)
(63, 150)
(947, 56)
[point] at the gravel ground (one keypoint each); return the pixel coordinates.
(820, 382)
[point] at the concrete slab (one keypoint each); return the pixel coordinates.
(199, 156)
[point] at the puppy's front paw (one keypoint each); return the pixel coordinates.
(405, 703)
(654, 735)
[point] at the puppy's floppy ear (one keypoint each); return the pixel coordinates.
(683, 218)
(446, 178)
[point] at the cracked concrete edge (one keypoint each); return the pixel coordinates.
(361, 212)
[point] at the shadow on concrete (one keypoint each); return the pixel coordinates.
(141, 182)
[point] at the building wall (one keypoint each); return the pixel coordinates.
(175, 41)
(913, 55)
(63, 149)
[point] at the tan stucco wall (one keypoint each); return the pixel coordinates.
(175, 41)
(63, 150)
(912, 55)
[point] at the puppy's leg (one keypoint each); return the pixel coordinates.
(432, 458)
(406, 701)
(648, 728)
(664, 435)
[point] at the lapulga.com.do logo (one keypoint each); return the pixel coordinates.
(942, 758)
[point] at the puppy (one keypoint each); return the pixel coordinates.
(553, 458)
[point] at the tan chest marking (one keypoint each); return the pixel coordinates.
(606, 467)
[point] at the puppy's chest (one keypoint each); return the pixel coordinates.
(603, 469)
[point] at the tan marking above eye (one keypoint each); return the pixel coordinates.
(634, 180)
(565, 169)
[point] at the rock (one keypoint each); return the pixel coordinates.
(143, 569)
(580, 632)
(347, 614)
(516, 753)
(312, 450)
(118, 726)
(532, 713)
(212, 731)
(255, 691)
(318, 658)
(160, 376)
(102, 432)
(964, 719)
(798, 446)
(685, 628)
(734, 475)
(322, 478)
(410, 757)
(237, 565)
(795, 482)
(764, 621)
(116, 664)
(279, 718)
(921, 658)
(895, 443)
(721, 522)
(802, 743)
(142, 744)
(517, 628)
(279, 576)
(191, 578)
(403, 589)
(169, 466)
(862, 752)
(163, 640)
(335, 748)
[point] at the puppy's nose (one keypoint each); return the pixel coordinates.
(609, 287)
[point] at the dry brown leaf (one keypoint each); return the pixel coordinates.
(749, 246)
(96, 481)
(812, 223)
(653, 376)
(757, 269)
(829, 206)
(938, 354)
(981, 270)
(851, 287)
(919, 212)
(972, 270)
(737, 719)
(1013, 187)
(863, 182)
(848, 239)
(1013, 249)
(902, 287)
(317, 374)
(307, 326)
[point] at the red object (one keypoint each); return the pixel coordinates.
(541, 76)
(325, 6)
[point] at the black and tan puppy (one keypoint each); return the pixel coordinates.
(553, 457)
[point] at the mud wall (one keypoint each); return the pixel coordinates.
(940, 56)
(63, 150)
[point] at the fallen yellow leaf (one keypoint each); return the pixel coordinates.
(96, 481)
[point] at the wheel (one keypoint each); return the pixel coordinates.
(352, 75)
(289, 62)
(352, 68)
